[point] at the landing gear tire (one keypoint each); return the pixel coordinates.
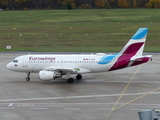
(70, 80)
(27, 78)
(79, 77)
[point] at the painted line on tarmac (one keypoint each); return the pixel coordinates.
(104, 108)
(122, 94)
(72, 97)
(39, 108)
(98, 81)
(137, 98)
(10, 105)
(7, 108)
(71, 108)
(137, 109)
(151, 107)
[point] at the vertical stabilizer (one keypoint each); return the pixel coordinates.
(131, 54)
(135, 46)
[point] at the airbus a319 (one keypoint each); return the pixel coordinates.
(52, 66)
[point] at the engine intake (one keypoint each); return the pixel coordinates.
(49, 75)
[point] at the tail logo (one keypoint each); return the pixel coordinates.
(106, 59)
(133, 49)
(141, 33)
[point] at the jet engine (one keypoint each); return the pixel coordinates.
(49, 75)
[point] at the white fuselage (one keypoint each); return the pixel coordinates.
(36, 63)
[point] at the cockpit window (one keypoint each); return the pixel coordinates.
(15, 61)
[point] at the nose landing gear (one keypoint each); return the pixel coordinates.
(28, 77)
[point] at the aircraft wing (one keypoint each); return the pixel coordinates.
(59, 68)
(67, 69)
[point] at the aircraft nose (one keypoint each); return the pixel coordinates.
(9, 66)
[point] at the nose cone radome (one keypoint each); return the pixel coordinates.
(9, 66)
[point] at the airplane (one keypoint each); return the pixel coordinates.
(52, 66)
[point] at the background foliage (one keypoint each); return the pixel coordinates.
(76, 4)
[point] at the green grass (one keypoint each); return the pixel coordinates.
(98, 30)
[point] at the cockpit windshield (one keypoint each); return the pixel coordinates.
(15, 61)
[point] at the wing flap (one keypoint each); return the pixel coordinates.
(67, 69)
(58, 68)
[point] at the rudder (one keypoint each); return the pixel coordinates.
(131, 54)
(135, 46)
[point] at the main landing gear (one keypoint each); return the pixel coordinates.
(79, 77)
(28, 77)
(71, 80)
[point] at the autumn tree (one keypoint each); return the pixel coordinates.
(107, 5)
(141, 3)
(72, 4)
(21, 4)
(134, 3)
(8, 4)
(21, 1)
(99, 3)
(153, 4)
(113, 3)
(85, 6)
(102, 4)
(123, 4)
(3, 3)
(67, 4)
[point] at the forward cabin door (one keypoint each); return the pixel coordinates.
(24, 64)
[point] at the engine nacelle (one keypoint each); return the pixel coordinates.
(49, 75)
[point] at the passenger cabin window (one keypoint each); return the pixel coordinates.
(15, 61)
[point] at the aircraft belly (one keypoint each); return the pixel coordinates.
(96, 67)
(100, 69)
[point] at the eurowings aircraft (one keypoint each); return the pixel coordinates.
(54, 66)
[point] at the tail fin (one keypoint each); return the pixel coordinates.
(136, 44)
(131, 54)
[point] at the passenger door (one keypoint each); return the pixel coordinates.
(25, 60)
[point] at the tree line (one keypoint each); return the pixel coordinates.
(77, 4)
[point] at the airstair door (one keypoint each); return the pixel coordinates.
(24, 64)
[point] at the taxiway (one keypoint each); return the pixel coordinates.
(116, 95)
